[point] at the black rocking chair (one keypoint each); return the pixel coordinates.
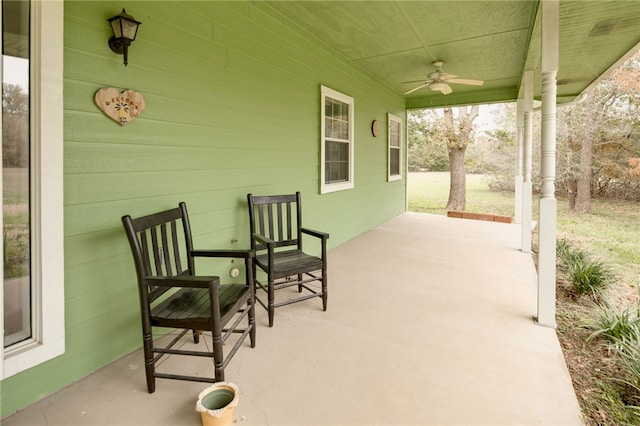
(276, 237)
(171, 295)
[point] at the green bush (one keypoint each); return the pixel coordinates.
(618, 326)
(569, 255)
(563, 249)
(629, 351)
(588, 276)
(621, 329)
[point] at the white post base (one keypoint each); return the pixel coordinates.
(527, 220)
(547, 263)
(518, 199)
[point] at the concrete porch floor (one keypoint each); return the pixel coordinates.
(429, 322)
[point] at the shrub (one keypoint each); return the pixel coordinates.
(566, 253)
(629, 351)
(569, 255)
(588, 276)
(618, 326)
(563, 248)
(621, 328)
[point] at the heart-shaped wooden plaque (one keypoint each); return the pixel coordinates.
(121, 107)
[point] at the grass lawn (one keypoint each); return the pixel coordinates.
(610, 234)
(16, 222)
(428, 193)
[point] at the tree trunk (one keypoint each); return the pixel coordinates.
(572, 189)
(572, 183)
(458, 181)
(583, 196)
(457, 142)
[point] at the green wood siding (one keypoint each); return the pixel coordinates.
(233, 106)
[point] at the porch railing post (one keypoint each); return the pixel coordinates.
(548, 203)
(519, 160)
(527, 192)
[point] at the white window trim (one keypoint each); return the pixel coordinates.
(392, 118)
(48, 339)
(340, 186)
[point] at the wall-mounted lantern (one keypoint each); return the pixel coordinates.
(124, 28)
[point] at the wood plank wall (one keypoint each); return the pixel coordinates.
(233, 105)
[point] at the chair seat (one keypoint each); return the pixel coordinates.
(289, 262)
(192, 305)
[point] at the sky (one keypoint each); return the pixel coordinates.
(15, 71)
(485, 120)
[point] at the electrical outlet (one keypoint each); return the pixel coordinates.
(234, 272)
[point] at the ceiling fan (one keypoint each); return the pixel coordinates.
(438, 80)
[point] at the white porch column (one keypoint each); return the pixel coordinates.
(519, 161)
(527, 160)
(548, 204)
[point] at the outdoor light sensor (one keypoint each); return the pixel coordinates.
(124, 28)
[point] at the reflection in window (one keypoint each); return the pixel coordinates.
(337, 162)
(16, 172)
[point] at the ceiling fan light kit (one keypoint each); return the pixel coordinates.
(438, 85)
(439, 81)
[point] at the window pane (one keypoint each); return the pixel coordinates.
(332, 108)
(344, 130)
(336, 162)
(15, 168)
(394, 161)
(335, 129)
(336, 119)
(394, 133)
(328, 107)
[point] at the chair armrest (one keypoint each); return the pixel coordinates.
(315, 233)
(183, 281)
(245, 254)
(263, 240)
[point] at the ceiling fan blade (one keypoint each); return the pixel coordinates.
(437, 81)
(466, 81)
(446, 89)
(447, 76)
(416, 88)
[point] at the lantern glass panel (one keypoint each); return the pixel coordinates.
(115, 27)
(129, 29)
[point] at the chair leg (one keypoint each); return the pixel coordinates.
(300, 285)
(252, 322)
(271, 299)
(218, 357)
(149, 367)
(324, 291)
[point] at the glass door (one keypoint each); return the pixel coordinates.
(16, 130)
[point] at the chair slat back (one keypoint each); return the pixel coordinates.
(277, 217)
(161, 245)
